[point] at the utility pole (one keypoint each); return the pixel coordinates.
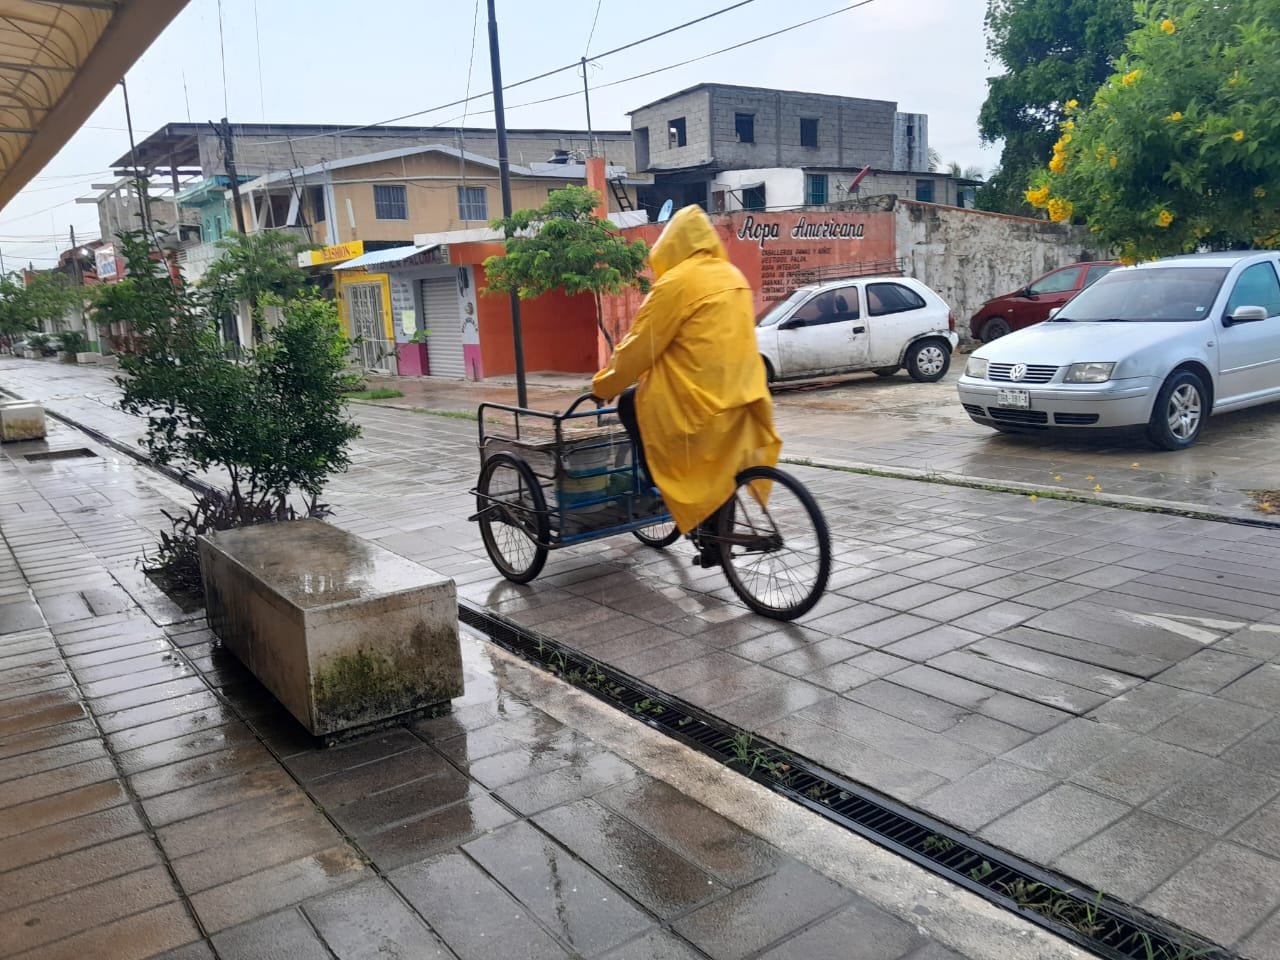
(143, 200)
(504, 174)
(586, 95)
(75, 260)
(229, 155)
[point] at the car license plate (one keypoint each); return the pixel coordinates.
(1020, 399)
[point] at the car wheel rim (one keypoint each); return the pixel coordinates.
(930, 361)
(1184, 412)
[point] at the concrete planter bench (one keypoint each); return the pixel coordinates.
(21, 420)
(343, 632)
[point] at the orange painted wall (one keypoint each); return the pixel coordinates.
(559, 332)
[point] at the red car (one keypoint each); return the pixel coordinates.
(1031, 304)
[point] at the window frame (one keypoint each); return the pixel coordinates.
(752, 207)
(384, 205)
(805, 141)
(747, 120)
(316, 199)
(1032, 291)
(677, 133)
(810, 180)
(882, 310)
(1273, 309)
(467, 203)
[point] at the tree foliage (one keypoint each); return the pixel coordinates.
(1051, 51)
(25, 306)
(274, 420)
(563, 245)
(254, 268)
(1180, 148)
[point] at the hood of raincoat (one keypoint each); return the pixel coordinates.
(689, 232)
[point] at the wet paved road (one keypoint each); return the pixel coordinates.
(1091, 688)
(155, 801)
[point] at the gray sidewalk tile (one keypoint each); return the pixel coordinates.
(1216, 797)
(985, 794)
(284, 934)
(1153, 849)
(648, 871)
(1141, 769)
(1069, 748)
(1211, 726)
(558, 889)
(369, 921)
(1225, 892)
(1053, 823)
(761, 913)
(859, 931)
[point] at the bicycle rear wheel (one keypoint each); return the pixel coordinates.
(776, 554)
(513, 517)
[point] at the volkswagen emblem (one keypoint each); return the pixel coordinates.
(1019, 372)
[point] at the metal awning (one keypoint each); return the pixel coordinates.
(58, 62)
(395, 256)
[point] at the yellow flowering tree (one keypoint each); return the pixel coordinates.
(1180, 149)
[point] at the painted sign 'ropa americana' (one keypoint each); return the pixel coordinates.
(764, 231)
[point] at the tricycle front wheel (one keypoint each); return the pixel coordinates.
(658, 535)
(513, 517)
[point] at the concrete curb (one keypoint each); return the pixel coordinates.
(1114, 500)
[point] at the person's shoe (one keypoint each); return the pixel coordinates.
(707, 557)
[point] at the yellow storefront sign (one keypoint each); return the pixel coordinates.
(338, 253)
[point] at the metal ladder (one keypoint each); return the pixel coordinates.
(619, 187)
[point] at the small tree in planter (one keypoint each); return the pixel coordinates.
(26, 306)
(260, 269)
(273, 420)
(563, 245)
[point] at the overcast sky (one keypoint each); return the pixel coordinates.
(335, 61)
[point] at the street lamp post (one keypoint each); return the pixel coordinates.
(504, 174)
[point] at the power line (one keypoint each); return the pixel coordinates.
(222, 47)
(594, 21)
(684, 63)
(577, 64)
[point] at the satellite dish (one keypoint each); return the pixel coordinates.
(665, 213)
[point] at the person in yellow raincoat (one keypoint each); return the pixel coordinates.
(702, 405)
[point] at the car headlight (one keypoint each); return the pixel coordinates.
(1089, 373)
(976, 367)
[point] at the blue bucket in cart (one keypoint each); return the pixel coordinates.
(583, 485)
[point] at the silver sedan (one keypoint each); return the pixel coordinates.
(1162, 345)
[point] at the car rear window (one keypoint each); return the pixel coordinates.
(884, 298)
(1156, 294)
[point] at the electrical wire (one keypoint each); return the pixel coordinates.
(594, 21)
(575, 65)
(685, 63)
(222, 47)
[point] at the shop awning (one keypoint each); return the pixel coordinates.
(58, 62)
(395, 256)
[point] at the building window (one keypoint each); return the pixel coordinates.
(808, 133)
(744, 124)
(217, 228)
(390, 202)
(317, 204)
(924, 190)
(815, 189)
(473, 203)
(753, 197)
(675, 133)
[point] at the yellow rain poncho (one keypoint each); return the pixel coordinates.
(702, 402)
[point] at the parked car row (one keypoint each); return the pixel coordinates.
(1090, 346)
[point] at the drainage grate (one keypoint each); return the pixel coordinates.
(1083, 916)
(62, 454)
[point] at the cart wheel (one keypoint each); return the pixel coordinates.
(658, 535)
(513, 517)
(776, 556)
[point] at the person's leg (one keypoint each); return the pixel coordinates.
(627, 414)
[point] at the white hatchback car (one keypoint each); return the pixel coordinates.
(1161, 345)
(871, 323)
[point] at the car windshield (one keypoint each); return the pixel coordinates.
(771, 315)
(1153, 295)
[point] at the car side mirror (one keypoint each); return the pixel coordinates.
(1246, 314)
(1054, 312)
